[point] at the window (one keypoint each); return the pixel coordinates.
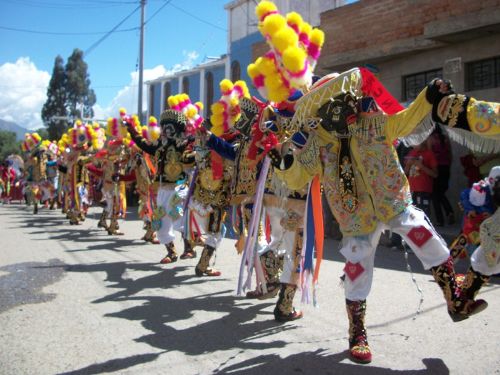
(185, 85)
(235, 71)
(209, 85)
(151, 99)
(167, 91)
(483, 74)
(414, 83)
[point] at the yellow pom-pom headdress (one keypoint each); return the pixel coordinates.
(31, 141)
(226, 111)
(191, 111)
(115, 128)
(294, 50)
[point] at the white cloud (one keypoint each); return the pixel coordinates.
(127, 97)
(23, 91)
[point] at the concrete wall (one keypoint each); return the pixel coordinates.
(242, 50)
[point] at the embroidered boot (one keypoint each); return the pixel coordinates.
(102, 221)
(73, 219)
(460, 306)
(171, 256)
(458, 248)
(358, 343)
(114, 227)
(284, 310)
(272, 265)
(35, 208)
(202, 268)
(189, 252)
(472, 283)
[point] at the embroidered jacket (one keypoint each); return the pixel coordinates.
(378, 188)
(172, 158)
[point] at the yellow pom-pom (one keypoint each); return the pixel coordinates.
(216, 119)
(217, 108)
(284, 38)
(191, 112)
(199, 105)
(272, 24)
(306, 28)
(234, 102)
(226, 85)
(152, 120)
(273, 82)
(265, 7)
(172, 101)
(253, 70)
(266, 66)
(294, 19)
(294, 59)
(317, 37)
(244, 88)
(122, 111)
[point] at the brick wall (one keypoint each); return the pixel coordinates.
(376, 22)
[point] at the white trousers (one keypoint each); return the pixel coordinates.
(413, 226)
(165, 199)
(479, 263)
(202, 216)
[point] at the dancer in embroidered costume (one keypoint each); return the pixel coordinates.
(367, 191)
(485, 261)
(212, 179)
(477, 205)
(173, 153)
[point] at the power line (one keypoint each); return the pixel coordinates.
(65, 33)
(93, 46)
(76, 4)
(158, 11)
(197, 18)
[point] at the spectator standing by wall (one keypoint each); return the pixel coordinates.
(440, 145)
(421, 169)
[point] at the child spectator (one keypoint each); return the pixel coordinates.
(477, 204)
(421, 169)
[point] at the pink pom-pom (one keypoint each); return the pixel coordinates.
(304, 39)
(239, 91)
(314, 51)
(258, 81)
(301, 73)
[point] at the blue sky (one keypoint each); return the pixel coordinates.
(179, 34)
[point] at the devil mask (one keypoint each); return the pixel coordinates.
(173, 125)
(338, 113)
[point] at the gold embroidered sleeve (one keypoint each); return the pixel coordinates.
(404, 122)
(484, 118)
(305, 166)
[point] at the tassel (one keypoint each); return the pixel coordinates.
(250, 245)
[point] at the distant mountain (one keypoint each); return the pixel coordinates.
(13, 127)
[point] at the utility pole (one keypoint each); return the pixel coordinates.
(141, 61)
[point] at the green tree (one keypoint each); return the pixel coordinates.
(78, 86)
(44, 133)
(56, 102)
(8, 144)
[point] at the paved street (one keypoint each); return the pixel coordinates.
(74, 300)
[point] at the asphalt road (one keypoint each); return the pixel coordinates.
(74, 300)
